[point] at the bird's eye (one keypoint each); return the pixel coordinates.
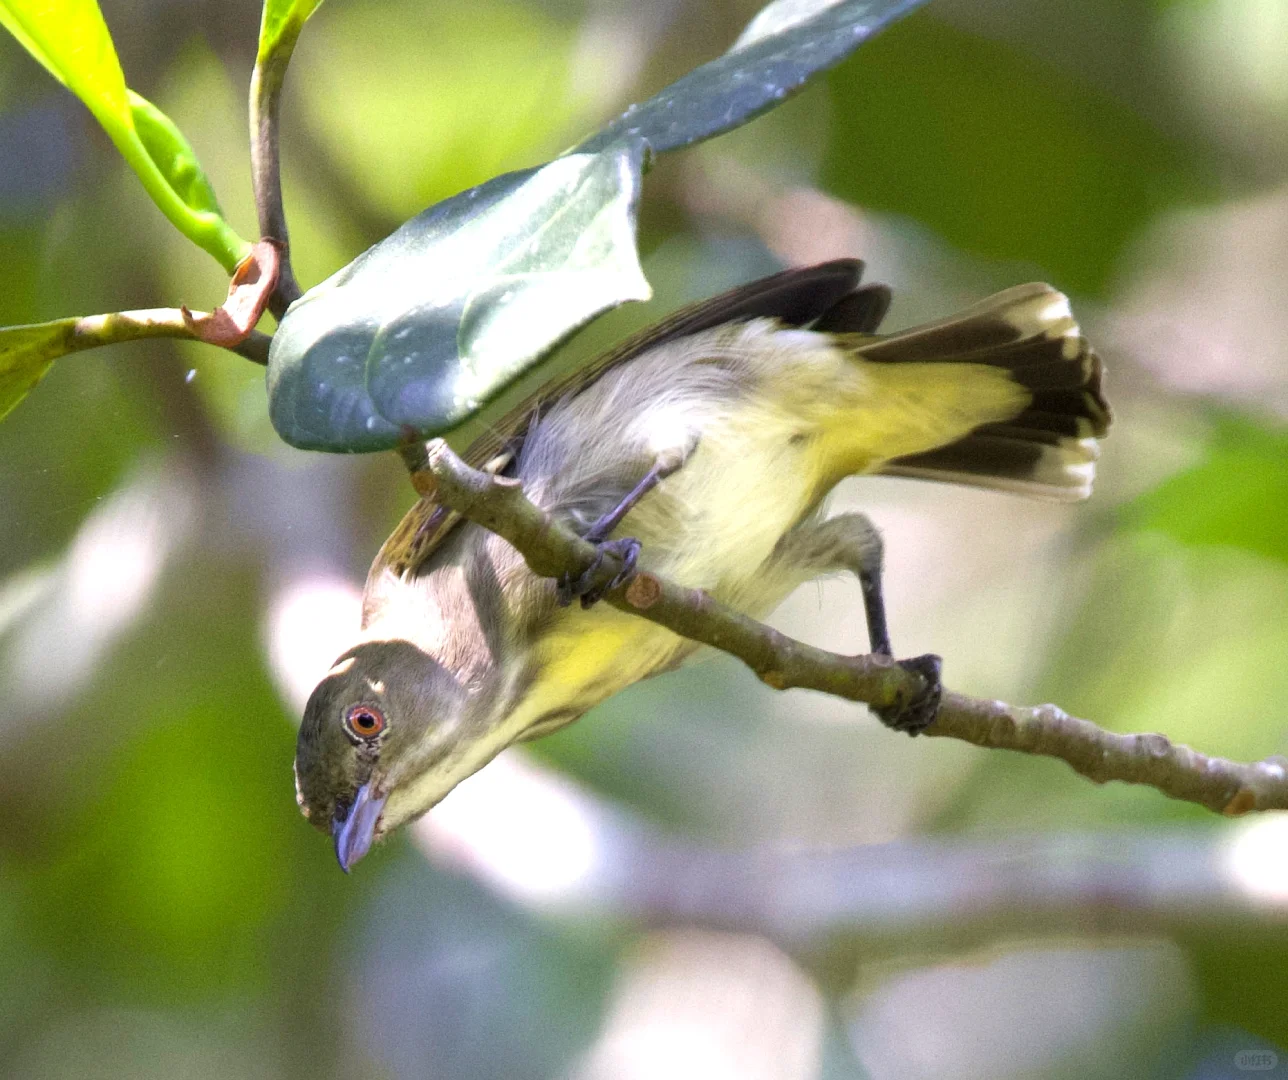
(365, 721)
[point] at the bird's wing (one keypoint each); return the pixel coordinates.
(796, 297)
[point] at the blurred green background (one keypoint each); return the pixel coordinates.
(701, 878)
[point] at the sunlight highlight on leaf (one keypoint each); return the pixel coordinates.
(423, 329)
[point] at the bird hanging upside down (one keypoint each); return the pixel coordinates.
(704, 449)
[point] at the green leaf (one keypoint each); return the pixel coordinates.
(427, 326)
(781, 49)
(26, 354)
(1238, 496)
(70, 38)
(419, 333)
(1000, 154)
(173, 155)
(281, 24)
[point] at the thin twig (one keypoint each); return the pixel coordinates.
(91, 331)
(551, 550)
(266, 169)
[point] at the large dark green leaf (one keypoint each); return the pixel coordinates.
(423, 329)
(782, 48)
(418, 334)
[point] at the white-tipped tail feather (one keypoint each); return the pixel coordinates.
(1048, 449)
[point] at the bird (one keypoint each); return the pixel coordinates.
(701, 450)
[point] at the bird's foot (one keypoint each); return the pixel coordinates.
(583, 586)
(915, 715)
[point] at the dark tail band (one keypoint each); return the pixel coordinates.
(1049, 448)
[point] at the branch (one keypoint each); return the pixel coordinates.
(552, 550)
(91, 331)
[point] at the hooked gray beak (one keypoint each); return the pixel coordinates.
(354, 833)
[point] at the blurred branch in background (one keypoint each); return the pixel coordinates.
(544, 841)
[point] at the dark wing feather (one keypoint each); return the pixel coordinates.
(796, 297)
(859, 312)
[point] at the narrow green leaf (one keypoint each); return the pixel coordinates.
(71, 40)
(26, 355)
(281, 23)
(430, 324)
(173, 155)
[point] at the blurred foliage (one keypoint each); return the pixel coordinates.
(449, 61)
(165, 911)
(1041, 166)
(1236, 498)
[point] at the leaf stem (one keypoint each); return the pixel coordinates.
(91, 331)
(265, 161)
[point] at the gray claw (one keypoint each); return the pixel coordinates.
(583, 586)
(915, 716)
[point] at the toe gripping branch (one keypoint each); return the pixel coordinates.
(583, 586)
(627, 549)
(915, 714)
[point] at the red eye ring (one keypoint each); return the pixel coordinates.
(365, 721)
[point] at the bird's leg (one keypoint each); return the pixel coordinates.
(627, 548)
(664, 466)
(851, 542)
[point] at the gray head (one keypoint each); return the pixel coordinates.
(378, 744)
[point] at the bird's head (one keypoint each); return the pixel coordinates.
(382, 741)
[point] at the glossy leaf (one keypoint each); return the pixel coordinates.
(415, 336)
(424, 328)
(781, 49)
(26, 354)
(71, 40)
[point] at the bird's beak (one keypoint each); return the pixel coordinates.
(354, 833)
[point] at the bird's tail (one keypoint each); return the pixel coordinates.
(1047, 448)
